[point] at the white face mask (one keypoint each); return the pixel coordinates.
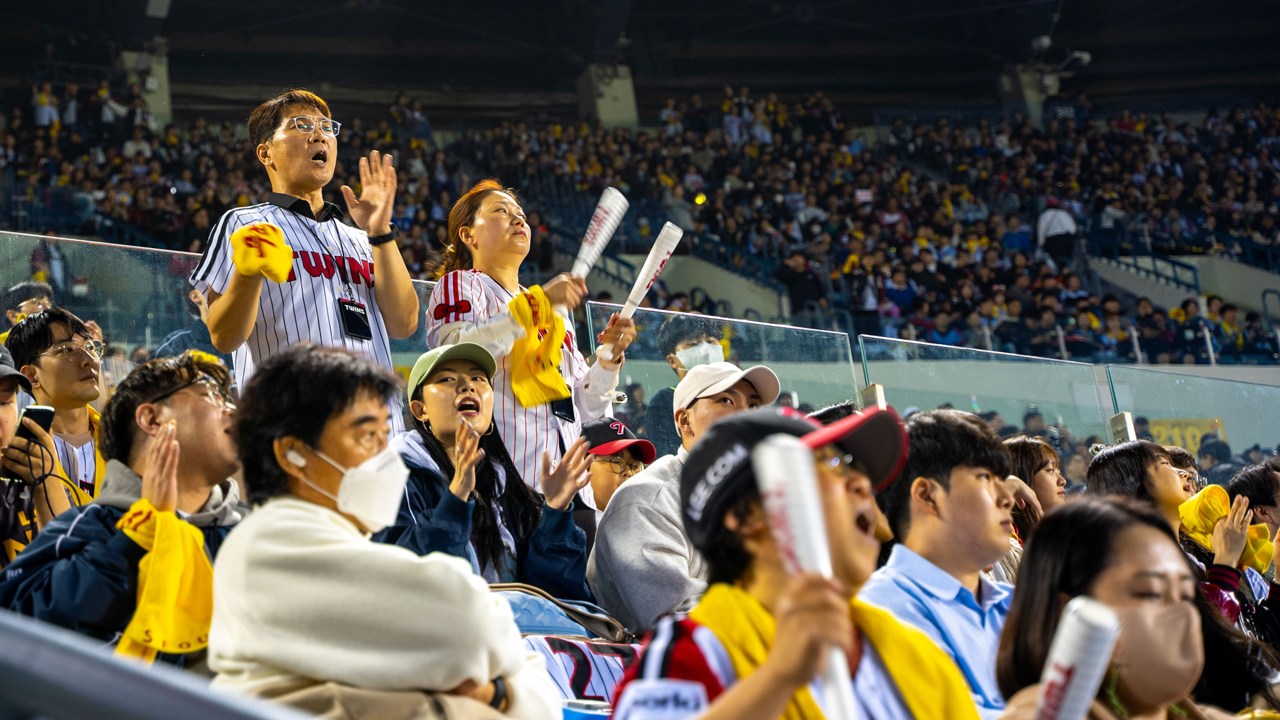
(370, 492)
(703, 353)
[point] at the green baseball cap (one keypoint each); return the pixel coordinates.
(462, 351)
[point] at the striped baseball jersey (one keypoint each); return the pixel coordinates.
(583, 669)
(470, 306)
(331, 261)
(684, 667)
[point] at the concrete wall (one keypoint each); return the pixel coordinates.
(1238, 283)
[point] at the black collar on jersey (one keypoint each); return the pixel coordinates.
(301, 207)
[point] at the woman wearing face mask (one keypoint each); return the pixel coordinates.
(463, 496)
(1124, 555)
(309, 612)
(479, 299)
(1036, 463)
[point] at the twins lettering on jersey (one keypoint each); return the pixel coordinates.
(349, 269)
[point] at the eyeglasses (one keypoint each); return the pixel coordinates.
(841, 463)
(620, 466)
(92, 348)
(307, 125)
(207, 387)
(1197, 480)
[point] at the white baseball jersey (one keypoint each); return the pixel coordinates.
(331, 261)
(470, 306)
(583, 669)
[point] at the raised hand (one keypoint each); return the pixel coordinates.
(372, 210)
(812, 615)
(29, 460)
(618, 334)
(466, 456)
(565, 289)
(160, 478)
(1231, 534)
(570, 475)
(1025, 498)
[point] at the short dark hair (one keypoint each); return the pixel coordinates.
(1259, 483)
(26, 290)
(1122, 469)
(832, 413)
(265, 118)
(1216, 449)
(1180, 458)
(294, 394)
(683, 328)
(149, 380)
(940, 441)
(34, 335)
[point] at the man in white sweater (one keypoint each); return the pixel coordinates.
(307, 610)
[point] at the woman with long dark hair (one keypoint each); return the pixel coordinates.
(464, 496)
(1172, 647)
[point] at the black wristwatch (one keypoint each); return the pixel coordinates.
(376, 240)
(499, 693)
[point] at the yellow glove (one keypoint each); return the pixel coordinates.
(175, 585)
(260, 248)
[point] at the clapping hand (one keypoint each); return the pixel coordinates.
(372, 210)
(466, 456)
(569, 477)
(160, 478)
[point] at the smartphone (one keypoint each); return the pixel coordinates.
(42, 414)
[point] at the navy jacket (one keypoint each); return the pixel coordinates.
(80, 572)
(432, 519)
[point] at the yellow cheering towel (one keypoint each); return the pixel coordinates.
(175, 585)
(261, 248)
(535, 358)
(1202, 512)
(746, 630)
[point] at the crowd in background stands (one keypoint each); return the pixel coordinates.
(926, 234)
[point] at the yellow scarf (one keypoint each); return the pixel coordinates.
(928, 680)
(535, 358)
(175, 585)
(1202, 512)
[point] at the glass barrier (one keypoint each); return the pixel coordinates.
(815, 366)
(1181, 408)
(1061, 400)
(139, 296)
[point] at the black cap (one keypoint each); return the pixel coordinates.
(606, 436)
(7, 369)
(718, 469)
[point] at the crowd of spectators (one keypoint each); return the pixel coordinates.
(932, 220)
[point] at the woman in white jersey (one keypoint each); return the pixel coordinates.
(478, 278)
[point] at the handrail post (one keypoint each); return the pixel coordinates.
(1208, 345)
(986, 336)
(1062, 342)
(1137, 346)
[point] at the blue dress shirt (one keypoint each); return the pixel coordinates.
(919, 593)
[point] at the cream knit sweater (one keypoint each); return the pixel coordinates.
(300, 593)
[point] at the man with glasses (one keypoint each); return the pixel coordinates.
(57, 353)
(23, 299)
(642, 566)
(166, 497)
(326, 292)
